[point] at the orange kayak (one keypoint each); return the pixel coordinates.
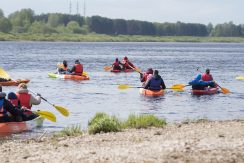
(207, 91)
(9, 128)
(148, 92)
(67, 76)
(14, 82)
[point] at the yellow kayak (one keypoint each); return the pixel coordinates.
(240, 78)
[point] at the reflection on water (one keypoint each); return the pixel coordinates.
(176, 62)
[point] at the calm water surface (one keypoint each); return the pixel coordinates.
(176, 62)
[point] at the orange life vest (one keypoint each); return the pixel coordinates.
(24, 99)
(62, 67)
(207, 77)
(78, 69)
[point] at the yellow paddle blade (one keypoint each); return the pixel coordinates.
(177, 89)
(47, 115)
(225, 90)
(4, 74)
(123, 86)
(107, 68)
(62, 110)
(85, 73)
(178, 86)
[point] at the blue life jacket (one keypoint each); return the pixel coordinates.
(155, 83)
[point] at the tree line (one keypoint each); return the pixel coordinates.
(26, 21)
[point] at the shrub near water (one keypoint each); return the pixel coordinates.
(143, 121)
(102, 122)
(73, 130)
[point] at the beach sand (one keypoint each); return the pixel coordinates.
(202, 141)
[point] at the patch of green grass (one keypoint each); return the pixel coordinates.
(143, 121)
(73, 130)
(102, 122)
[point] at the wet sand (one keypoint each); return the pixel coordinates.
(203, 141)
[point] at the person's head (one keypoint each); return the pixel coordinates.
(116, 60)
(150, 71)
(125, 58)
(207, 71)
(77, 61)
(22, 86)
(65, 63)
(12, 96)
(155, 72)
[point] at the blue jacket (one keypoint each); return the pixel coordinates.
(155, 83)
(198, 81)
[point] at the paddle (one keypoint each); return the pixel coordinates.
(45, 114)
(4, 74)
(135, 69)
(124, 86)
(179, 86)
(61, 109)
(107, 68)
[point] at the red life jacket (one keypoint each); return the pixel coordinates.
(2, 110)
(125, 64)
(14, 102)
(207, 77)
(116, 64)
(78, 69)
(24, 99)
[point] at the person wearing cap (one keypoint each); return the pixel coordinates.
(155, 83)
(116, 65)
(26, 99)
(146, 75)
(77, 69)
(127, 64)
(63, 68)
(8, 112)
(207, 76)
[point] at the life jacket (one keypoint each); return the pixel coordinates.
(78, 69)
(155, 84)
(3, 111)
(116, 64)
(207, 77)
(146, 77)
(14, 102)
(62, 67)
(24, 99)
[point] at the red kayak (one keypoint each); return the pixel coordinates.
(126, 70)
(206, 91)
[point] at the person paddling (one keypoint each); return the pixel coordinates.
(155, 83)
(77, 69)
(146, 75)
(199, 84)
(116, 65)
(207, 76)
(127, 64)
(8, 112)
(63, 68)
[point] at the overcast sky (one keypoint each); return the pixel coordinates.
(190, 11)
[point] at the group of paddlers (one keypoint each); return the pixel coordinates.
(77, 68)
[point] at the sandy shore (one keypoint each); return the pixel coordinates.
(218, 141)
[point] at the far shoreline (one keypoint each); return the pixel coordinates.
(118, 38)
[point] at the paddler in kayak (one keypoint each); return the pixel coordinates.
(77, 69)
(26, 99)
(199, 84)
(207, 76)
(146, 75)
(116, 65)
(127, 64)
(155, 83)
(8, 112)
(63, 68)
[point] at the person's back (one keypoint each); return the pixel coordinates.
(199, 84)
(77, 69)
(155, 83)
(26, 99)
(207, 76)
(63, 68)
(127, 64)
(116, 65)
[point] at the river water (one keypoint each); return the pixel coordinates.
(176, 62)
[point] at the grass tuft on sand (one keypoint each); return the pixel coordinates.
(74, 130)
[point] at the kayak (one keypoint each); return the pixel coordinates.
(240, 78)
(126, 70)
(17, 127)
(14, 82)
(151, 93)
(207, 91)
(67, 76)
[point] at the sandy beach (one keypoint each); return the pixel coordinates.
(203, 141)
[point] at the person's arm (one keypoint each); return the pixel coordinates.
(35, 100)
(131, 64)
(147, 84)
(73, 69)
(162, 84)
(11, 109)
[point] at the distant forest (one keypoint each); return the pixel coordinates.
(26, 21)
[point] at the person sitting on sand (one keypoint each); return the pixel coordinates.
(77, 69)
(8, 112)
(116, 65)
(155, 83)
(63, 68)
(127, 64)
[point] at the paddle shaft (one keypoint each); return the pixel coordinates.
(42, 98)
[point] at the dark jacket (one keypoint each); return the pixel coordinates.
(155, 83)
